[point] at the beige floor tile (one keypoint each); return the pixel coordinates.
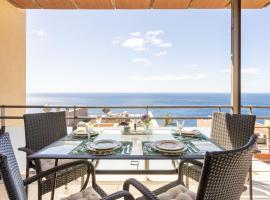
(113, 183)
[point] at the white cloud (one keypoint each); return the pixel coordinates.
(165, 45)
(250, 71)
(136, 34)
(143, 61)
(162, 53)
(139, 60)
(116, 41)
(225, 70)
(155, 41)
(133, 43)
(139, 49)
(39, 33)
(191, 65)
(168, 78)
(139, 41)
(154, 33)
(152, 37)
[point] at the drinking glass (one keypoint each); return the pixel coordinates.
(180, 125)
(98, 120)
(90, 129)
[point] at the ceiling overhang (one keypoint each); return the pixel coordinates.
(135, 4)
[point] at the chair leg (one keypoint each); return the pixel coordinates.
(250, 184)
(54, 181)
(186, 178)
(87, 180)
(174, 164)
(53, 191)
(97, 163)
(39, 196)
(82, 181)
(187, 182)
(27, 176)
(146, 167)
(39, 190)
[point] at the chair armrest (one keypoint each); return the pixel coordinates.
(256, 151)
(26, 150)
(182, 163)
(43, 174)
(140, 187)
(193, 162)
(120, 194)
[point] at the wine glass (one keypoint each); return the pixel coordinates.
(180, 125)
(98, 120)
(90, 129)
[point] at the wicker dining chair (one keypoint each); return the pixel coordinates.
(229, 131)
(223, 176)
(15, 185)
(42, 129)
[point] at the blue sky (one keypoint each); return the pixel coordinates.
(144, 51)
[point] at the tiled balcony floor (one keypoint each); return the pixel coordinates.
(112, 183)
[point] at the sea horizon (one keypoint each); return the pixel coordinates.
(142, 98)
(153, 99)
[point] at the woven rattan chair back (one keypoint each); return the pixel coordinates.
(232, 131)
(10, 171)
(224, 173)
(41, 129)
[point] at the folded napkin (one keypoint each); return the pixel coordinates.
(206, 146)
(189, 133)
(80, 131)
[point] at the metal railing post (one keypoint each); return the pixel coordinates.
(74, 118)
(250, 110)
(3, 126)
(267, 125)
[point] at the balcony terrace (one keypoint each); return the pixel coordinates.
(13, 61)
(112, 183)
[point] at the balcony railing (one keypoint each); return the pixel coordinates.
(74, 108)
(249, 109)
(75, 116)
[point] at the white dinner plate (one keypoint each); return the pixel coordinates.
(169, 145)
(81, 133)
(190, 133)
(176, 152)
(105, 144)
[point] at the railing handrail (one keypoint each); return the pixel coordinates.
(171, 117)
(74, 107)
(255, 106)
(130, 106)
(112, 106)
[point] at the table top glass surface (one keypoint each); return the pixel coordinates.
(65, 147)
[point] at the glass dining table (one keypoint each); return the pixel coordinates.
(133, 147)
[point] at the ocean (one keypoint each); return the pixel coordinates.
(151, 99)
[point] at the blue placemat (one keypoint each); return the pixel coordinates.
(148, 150)
(125, 149)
